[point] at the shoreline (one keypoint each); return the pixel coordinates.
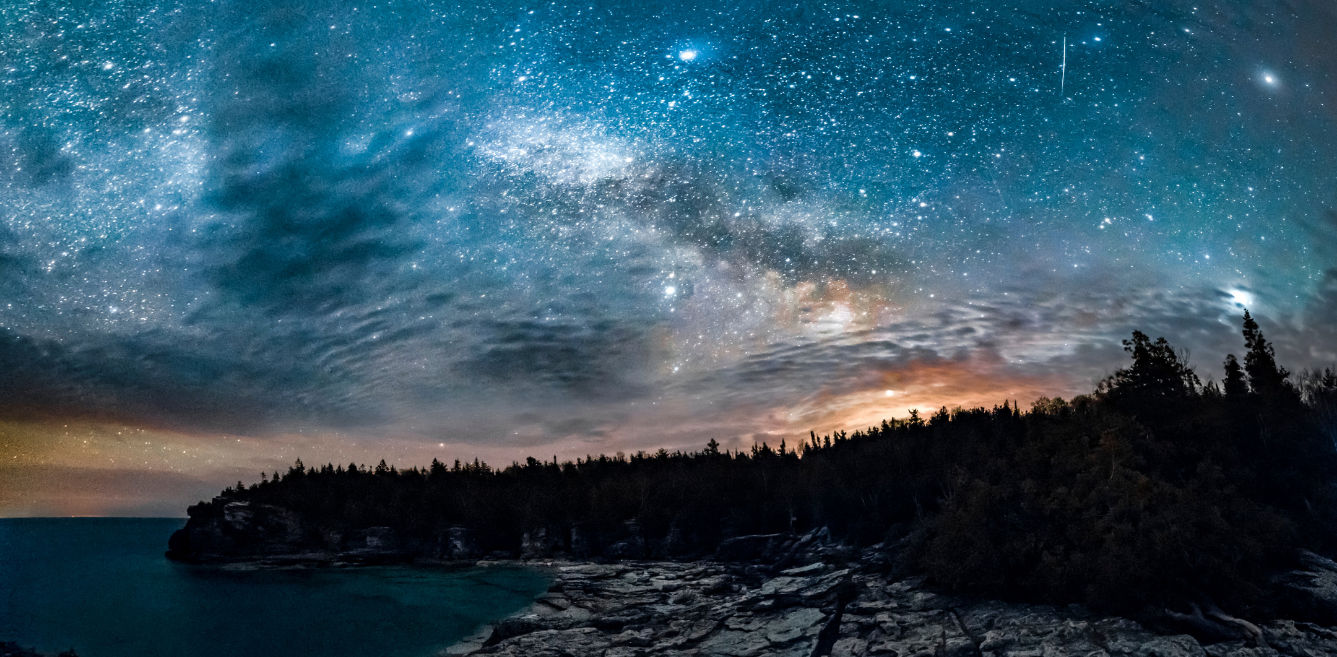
(854, 609)
(807, 596)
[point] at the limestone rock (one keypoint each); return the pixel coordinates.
(817, 609)
(1311, 590)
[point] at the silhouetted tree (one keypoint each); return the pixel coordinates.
(1234, 384)
(1260, 364)
(1146, 492)
(1157, 372)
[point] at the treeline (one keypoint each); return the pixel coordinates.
(1154, 488)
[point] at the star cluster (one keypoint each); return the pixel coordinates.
(244, 233)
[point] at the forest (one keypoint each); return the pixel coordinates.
(1153, 489)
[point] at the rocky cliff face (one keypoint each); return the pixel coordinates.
(228, 530)
(242, 531)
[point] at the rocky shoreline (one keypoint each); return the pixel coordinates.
(773, 594)
(854, 609)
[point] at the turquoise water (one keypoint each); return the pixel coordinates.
(103, 587)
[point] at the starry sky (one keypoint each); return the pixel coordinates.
(233, 234)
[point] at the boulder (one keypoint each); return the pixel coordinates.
(1310, 591)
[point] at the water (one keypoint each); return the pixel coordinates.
(103, 587)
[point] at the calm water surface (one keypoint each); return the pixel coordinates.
(103, 587)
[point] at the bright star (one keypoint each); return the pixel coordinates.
(687, 55)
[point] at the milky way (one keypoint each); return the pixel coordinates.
(236, 234)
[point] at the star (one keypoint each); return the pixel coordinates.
(578, 229)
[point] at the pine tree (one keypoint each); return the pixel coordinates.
(1234, 383)
(1260, 363)
(1157, 372)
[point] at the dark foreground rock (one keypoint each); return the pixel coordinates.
(665, 609)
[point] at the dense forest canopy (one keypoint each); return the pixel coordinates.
(1153, 489)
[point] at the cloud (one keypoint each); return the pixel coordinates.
(32, 156)
(390, 240)
(305, 226)
(1319, 327)
(15, 264)
(977, 352)
(158, 379)
(590, 356)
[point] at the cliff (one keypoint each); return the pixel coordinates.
(238, 531)
(231, 531)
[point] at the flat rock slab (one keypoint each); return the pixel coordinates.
(673, 609)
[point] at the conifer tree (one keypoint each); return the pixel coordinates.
(1234, 385)
(1260, 362)
(713, 448)
(1157, 372)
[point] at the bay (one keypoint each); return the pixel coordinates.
(103, 587)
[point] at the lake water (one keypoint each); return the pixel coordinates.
(103, 587)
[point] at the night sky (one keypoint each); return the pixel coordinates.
(237, 233)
